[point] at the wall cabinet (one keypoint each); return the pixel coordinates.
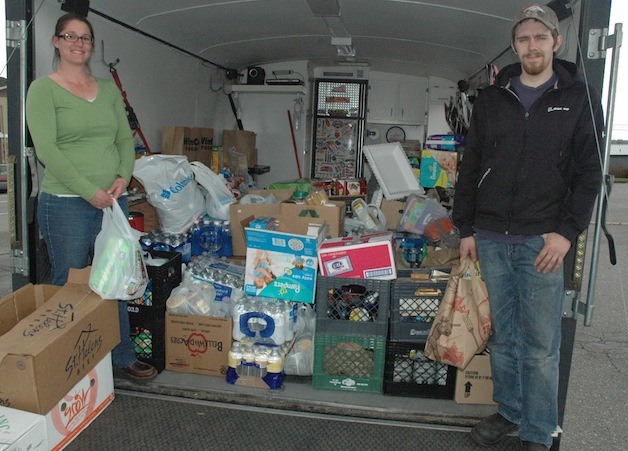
(397, 99)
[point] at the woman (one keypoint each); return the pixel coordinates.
(82, 137)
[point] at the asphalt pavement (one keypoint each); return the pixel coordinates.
(596, 412)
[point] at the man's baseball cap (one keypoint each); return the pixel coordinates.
(543, 14)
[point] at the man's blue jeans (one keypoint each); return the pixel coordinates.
(69, 226)
(526, 309)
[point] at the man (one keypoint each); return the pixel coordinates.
(527, 186)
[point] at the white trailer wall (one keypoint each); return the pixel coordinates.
(167, 87)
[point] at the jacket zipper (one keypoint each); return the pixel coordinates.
(484, 176)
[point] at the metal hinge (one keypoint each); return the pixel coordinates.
(599, 41)
(15, 32)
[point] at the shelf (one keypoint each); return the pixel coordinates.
(267, 89)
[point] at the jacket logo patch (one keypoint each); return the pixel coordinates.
(557, 108)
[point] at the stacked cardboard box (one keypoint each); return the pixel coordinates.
(54, 357)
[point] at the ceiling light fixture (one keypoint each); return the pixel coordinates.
(344, 46)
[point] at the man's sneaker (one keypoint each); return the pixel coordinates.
(534, 446)
(492, 429)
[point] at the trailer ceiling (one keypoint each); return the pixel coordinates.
(447, 38)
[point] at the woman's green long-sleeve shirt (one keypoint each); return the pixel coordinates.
(83, 145)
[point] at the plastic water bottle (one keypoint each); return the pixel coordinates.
(227, 244)
(248, 362)
(275, 361)
(234, 362)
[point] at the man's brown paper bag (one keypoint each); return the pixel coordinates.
(462, 325)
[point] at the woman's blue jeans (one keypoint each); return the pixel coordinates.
(69, 226)
(526, 309)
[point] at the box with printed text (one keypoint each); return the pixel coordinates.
(51, 337)
(365, 257)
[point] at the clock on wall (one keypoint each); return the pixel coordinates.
(395, 134)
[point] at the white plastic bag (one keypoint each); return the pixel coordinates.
(219, 196)
(171, 189)
(118, 269)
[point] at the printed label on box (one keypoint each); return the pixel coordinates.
(280, 265)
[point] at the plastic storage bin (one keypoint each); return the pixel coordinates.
(353, 363)
(352, 306)
(409, 373)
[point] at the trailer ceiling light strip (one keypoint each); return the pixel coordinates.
(161, 41)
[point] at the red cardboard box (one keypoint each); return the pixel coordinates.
(366, 257)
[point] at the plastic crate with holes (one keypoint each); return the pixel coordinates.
(148, 334)
(409, 373)
(353, 363)
(162, 278)
(414, 305)
(147, 315)
(352, 306)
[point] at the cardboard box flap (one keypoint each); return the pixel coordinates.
(16, 306)
(42, 327)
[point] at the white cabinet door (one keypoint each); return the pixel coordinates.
(397, 99)
(412, 101)
(382, 98)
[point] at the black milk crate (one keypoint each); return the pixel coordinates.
(352, 306)
(414, 305)
(353, 363)
(161, 279)
(148, 333)
(409, 373)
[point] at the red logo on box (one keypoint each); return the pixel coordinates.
(74, 408)
(197, 344)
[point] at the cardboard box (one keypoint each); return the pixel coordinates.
(365, 257)
(53, 345)
(333, 214)
(239, 213)
(242, 141)
(193, 142)
(81, 405)
(474, 384)
(393, 211)
(66, 420)
(438, 168)
(198, 344)
(21, 430)
(282, 265)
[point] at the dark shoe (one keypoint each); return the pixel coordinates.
(139, 371)
(492, 429)
(534, 446)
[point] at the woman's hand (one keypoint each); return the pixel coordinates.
(101, 199)
(117, 188)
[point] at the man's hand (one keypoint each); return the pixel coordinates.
(467, 247)
(551, 256)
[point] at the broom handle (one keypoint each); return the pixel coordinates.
(294, 144)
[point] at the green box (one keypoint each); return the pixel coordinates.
(353, 363)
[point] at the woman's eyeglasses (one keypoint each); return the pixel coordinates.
(71, 37)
